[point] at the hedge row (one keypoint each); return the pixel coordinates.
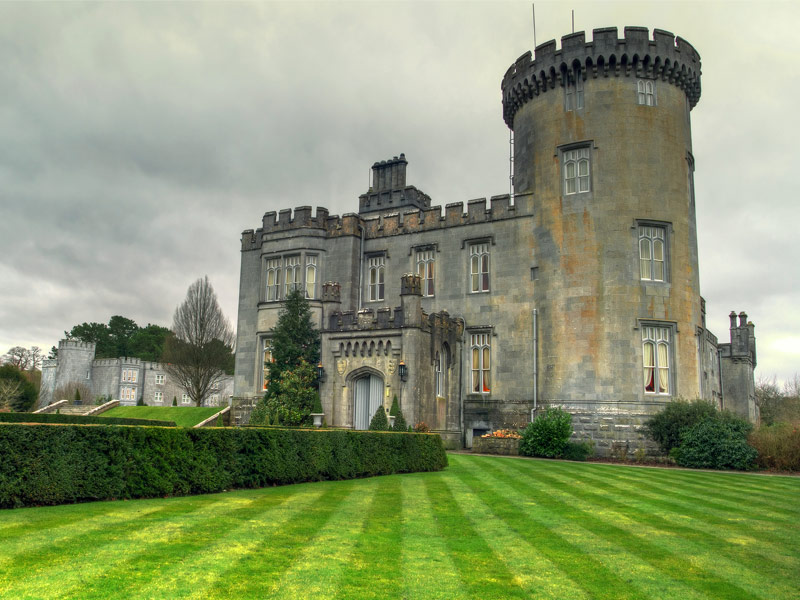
(56, 465)
(78, 420)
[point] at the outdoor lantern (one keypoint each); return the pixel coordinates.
(403, 371)
(320, 371)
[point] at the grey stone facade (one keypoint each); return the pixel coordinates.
(124, 379)
(581, 290)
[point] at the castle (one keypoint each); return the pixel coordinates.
(126, 379)
(581, 289)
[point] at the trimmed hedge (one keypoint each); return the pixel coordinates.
(78, 420)
(56, 465)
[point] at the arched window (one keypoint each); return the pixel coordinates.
(576, 171)
(646, 92)
(376, 267)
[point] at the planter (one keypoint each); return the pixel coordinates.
(317, 419)
(391, 421)
(508, 446)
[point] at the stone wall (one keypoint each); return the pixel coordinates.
(492, 445)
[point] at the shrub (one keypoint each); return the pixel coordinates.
(174, 401)
(548, 434)
(399, 420)
(665, 428)
(317, 408)
(56, 465)
(577, 451)
(422, 427)
(716, 443)
(379, 421)
(778, 446)
(77, 398)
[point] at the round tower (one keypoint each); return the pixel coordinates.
(602, 139)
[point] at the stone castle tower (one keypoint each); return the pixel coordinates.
(602, 139)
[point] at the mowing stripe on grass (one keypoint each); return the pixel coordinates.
(381, 535)
(718, 577)
(315, 571)
(428, 569)
(726, 488)
(482, 572)
(592, 562)
(508, 539)
(253, 574)
(137, 556)
(43, 560)
(197, 570)
(727, 535)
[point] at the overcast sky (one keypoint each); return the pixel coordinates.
(140, 139)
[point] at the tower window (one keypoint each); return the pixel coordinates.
(646, 92)
(652, 253)
(425, 264)
(376, 267)
(311, 276)
(656, 359)
(291, 277)
(576, 171)
(573, 93)
(273, 279)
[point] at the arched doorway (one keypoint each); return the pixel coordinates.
(367, 397)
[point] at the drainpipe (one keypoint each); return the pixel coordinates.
(361, 267)
(535, 362)
(461, 382)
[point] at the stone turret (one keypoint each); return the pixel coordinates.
(738, 363)
(410, 300)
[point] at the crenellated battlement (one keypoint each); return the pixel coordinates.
(663, 57)
(106, 362)
(414, 221)
(75, 345)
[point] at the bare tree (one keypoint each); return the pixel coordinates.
(19, 357)
(199, 349)
(35, 354)
(9, 391)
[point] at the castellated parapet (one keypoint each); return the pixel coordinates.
(665, 57)
(384, 225)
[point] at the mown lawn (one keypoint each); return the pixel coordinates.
(484, 528)
(183, 416)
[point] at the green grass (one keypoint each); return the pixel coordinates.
(183, 416)
(484, 528)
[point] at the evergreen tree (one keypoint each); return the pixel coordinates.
(295, 350)
(379, 422)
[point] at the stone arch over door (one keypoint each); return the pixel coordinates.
(368, 390)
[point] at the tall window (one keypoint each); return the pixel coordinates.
(311, 276)
(652, 253)
(479, 267)
(127, 393)
(158, 397)
(266, 350)
(291, 275)
(576, 171)
(185, 399)
(646, 92)
(481, 363)
(439, 372)
(273, 279)
(573, 93)
(656, 359)
(425, 260)
(376, 266)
